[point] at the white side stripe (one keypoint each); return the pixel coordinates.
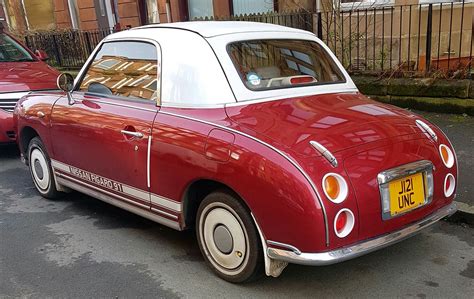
(118, 187)
(165, 202)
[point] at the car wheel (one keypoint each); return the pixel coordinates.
(40, 169)
(228, 238)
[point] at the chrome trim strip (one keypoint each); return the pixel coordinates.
(148, 154)
(164, 213)
(283, 245)
(294, 163)
(324, 152)
(364, 247)
(13, 95)
(122, 105)
(122, 205)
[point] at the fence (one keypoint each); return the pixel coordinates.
(422, 39)
(295, 19)
(69, 48)
(425, 39)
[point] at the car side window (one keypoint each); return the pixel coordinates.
(126, 68)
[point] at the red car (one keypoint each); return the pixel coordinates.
(21, 71)
(252, 134)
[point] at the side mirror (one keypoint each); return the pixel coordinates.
(41, 55)
(65, 82)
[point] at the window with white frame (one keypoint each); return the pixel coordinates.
(363, 4)
(73, 12)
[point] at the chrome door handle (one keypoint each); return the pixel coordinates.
(133, 134)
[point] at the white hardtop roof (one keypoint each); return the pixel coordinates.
(214, 28)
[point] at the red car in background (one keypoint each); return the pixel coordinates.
(21, 71)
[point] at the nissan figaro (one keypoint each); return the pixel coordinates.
(252, 134)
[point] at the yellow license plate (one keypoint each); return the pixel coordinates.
(406, 194)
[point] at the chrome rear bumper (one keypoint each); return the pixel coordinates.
(346, 253)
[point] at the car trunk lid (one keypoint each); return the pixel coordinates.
(336, 121)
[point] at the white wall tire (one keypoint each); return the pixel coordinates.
(40, 169)
(228, 238)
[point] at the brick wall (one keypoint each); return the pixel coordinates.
(61, 13)
(128, 13)
(87, 16)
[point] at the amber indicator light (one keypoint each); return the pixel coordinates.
(331, 185)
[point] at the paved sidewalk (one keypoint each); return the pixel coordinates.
(460, 130)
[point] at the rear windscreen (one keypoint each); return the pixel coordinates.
(283, 63)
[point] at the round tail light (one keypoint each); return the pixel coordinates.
(446, 155)
(449, 185)
(335, 187)
(344, 223)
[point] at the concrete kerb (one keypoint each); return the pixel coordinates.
(464, 214)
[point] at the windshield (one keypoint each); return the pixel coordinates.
(11, 51)
(283, 63)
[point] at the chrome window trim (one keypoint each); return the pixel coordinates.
(288, 158)
(111, 39)
(385, 177)
(125, 105)
(361, 248)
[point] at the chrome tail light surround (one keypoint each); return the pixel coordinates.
(450, 162)
(449, 189)
(342, 185)
(385, 177)
(348, 226)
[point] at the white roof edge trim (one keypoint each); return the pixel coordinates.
(216, 28)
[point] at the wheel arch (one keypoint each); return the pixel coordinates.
(197, 191)
(26, 135)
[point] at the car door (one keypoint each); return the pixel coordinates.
(101, 140)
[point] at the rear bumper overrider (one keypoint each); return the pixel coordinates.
(342, 254)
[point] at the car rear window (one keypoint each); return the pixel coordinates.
(283, 63)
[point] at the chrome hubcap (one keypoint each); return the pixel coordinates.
(225, 240)
(39, 169)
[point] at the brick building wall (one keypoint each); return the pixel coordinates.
(87, 16)
(61, 14)
(128, 13)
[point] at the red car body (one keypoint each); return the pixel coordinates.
(261, 150)
(17, 78)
